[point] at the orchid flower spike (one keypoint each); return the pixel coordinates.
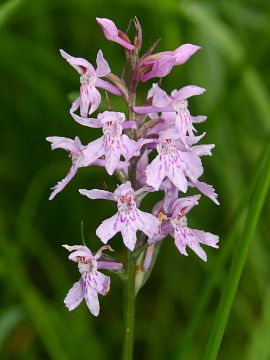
(111, 32)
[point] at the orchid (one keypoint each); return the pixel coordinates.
(128, 219)
(175, 104)
(76, 151)
(175, 162)
(183, 235)
(152, 148)
(90, 79)
(92, 281)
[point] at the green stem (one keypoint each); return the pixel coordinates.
(129, 307)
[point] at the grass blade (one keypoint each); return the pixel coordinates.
(238, 263)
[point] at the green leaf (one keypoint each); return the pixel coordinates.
(141, 275)
(238, 262)
(7, 9)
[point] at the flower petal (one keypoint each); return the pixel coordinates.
(103, 68)
(184, 52)
(97, 194)
(75, 296)
(100, 282)
(155, 172)
(108, 228)
(91, 299)
(63, 183)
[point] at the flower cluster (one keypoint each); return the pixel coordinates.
(154, 147)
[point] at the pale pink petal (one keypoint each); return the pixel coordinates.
(111, 32)
(124, 43)
(80, 64)
(184, 52)
(108, 27)
(163, 67)
(103, 68)
(194, 168)
(147, 109)
(202, 150)
(155, 172)
(207, 190)
(91, 298)
(63, 183)
(160, 97)
(59, 142)
(206, 238)
(130, 147)
(198, 119)
(95, 99)
(85, 121)
(128, 231)
(184, 205)
(180, 240)
(94, 150)
(186, 92)
(108, 228)
(85, 99)
(147, 223)
(97, 194)
(112, 157)
(176, 175)
(195, 246)
(141, 167)
(109, 265)
(74, 296)
(107, 86)
(100, 282)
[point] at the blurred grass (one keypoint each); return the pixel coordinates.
(176, 307)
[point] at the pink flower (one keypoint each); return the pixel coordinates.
(92, 282)
(176, 105)
(113, 144)
(90, 80)
(161, 64)
(128, 219)
(183, 235)
(111, 32)
(175, 162)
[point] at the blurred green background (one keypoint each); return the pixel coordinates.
(176, 307)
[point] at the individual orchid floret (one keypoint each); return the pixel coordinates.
(90, 79)
(79, 157)
(76, 152)
(175, 104)
(113, 144)
(111, 32)
(92, 281)
(183, 235)
(174, 162)
(161, 64)
(128, 219)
